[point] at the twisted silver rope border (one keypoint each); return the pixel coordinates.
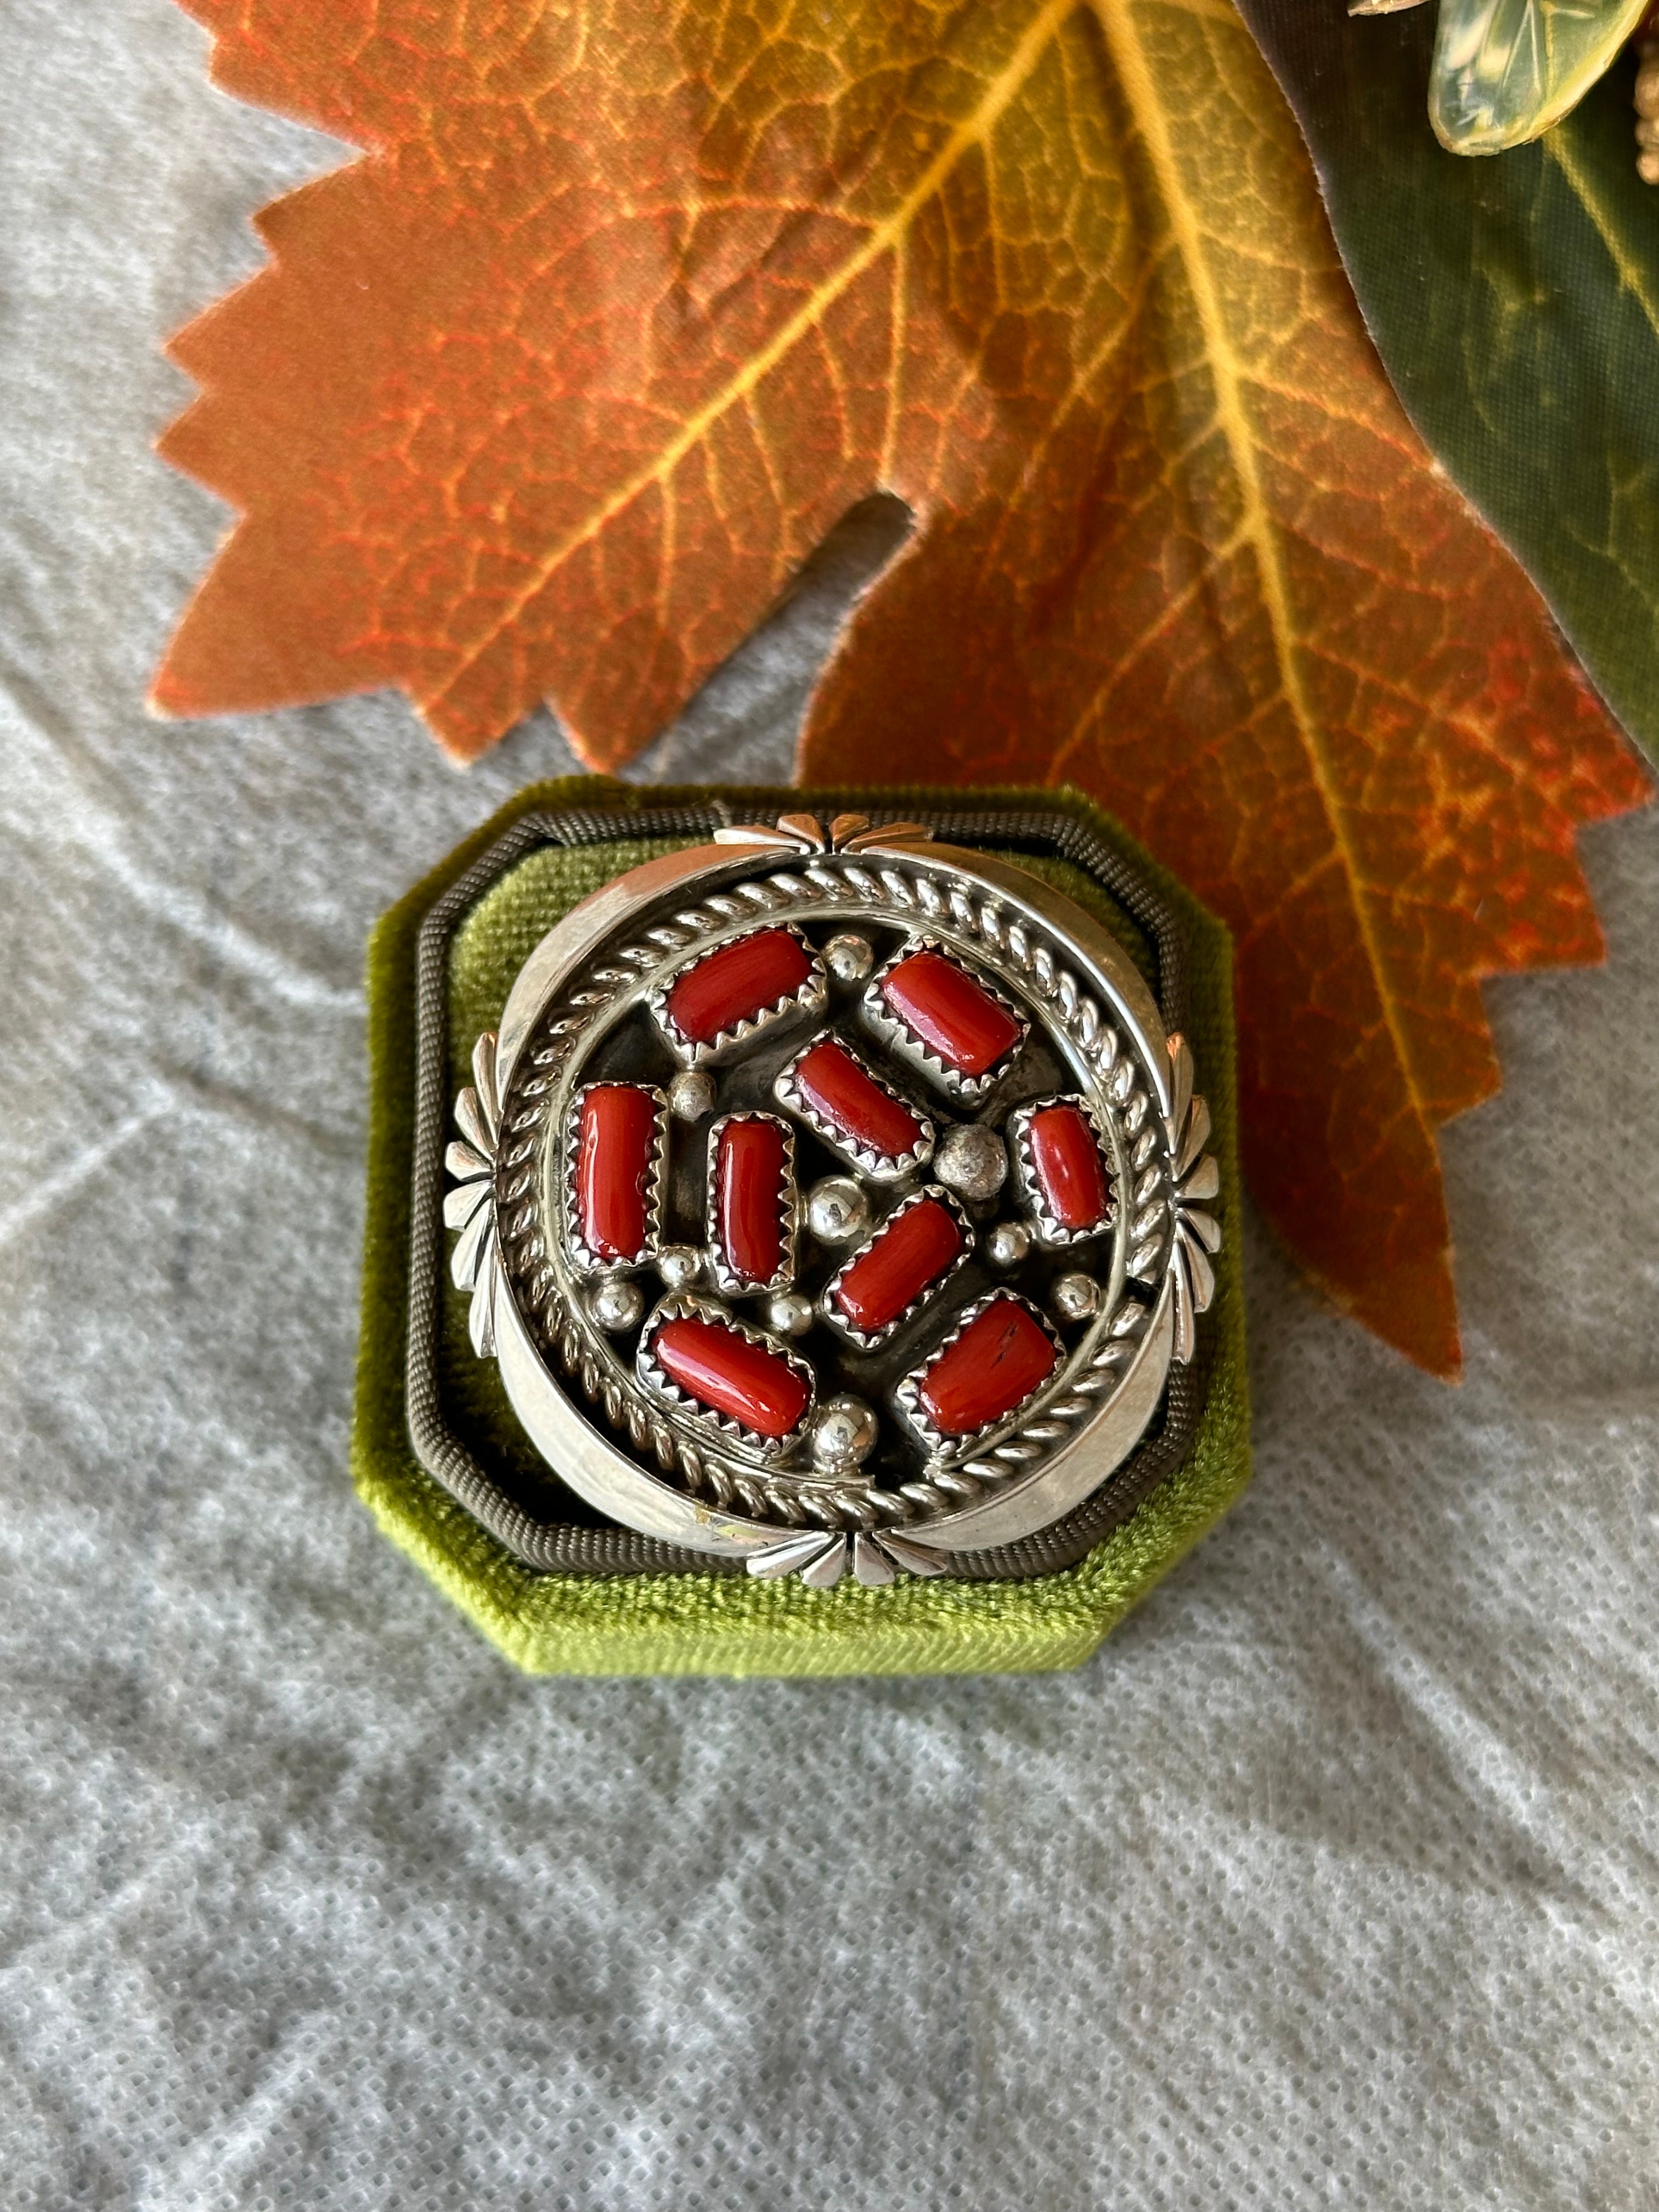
(1012, 952)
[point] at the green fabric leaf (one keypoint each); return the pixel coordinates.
(1505, 70)
(1516, 304)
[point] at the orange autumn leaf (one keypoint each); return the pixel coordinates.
(549, 397)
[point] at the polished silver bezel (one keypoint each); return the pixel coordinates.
(898, 1035)
(721, 1273)
(1045, 1225)
(871, 1339)
(880, 1167)
(648, 1463)
(943, 1449)
(586, 1261)
(661, 1385)
(808, 998)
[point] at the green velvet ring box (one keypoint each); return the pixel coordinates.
(459, 937)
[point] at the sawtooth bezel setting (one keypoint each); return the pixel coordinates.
(806, 1000)
(872, 1339)
(893, 1030)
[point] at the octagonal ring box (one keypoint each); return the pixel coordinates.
(442, 1459)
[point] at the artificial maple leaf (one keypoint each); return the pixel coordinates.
(549, 397)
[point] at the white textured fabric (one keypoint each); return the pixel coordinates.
(1332, 1881)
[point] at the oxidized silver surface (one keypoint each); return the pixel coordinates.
(589, 1006)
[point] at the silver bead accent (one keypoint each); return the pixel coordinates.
(843, 1435)
(789, 1313)
(691, 1095)
(837, 1210)
(849, 958)
(616, 1305)
(972, 1161)
(1007, 1243)
(1075, 1297)
(680, 1266)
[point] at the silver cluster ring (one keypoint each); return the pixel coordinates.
(833, 1199)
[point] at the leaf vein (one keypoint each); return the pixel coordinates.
(1141, 85)
(881, 238)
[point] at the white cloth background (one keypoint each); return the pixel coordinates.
(1331, 1881)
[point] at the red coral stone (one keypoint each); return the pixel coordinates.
(998, 1359)
(733, 985)
(910, 1253)
(616, 1143)
(749, 1180)
(724, 1373)
(842, 1091)
(1070, 1172)
(953, 1015)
